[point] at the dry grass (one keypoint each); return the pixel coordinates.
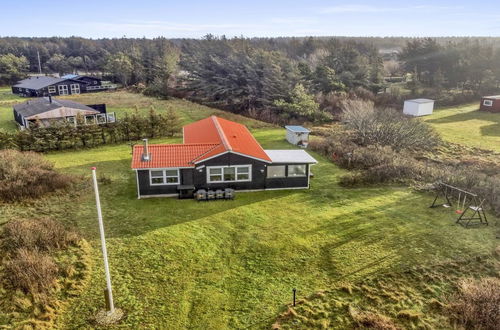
(28, 175)
(476, 305)
(370, 320)
(42, 234)
(31, 271)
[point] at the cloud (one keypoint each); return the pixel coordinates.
(360, 8)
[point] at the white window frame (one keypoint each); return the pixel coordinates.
(102, 117)
(296, 176)
(236, 167)
(110, 117)
(488, 103)
(165, 177)
(94, 120)
(71, 120)
(74, 88)
(51, 89)
(276, 177)
(62, 89)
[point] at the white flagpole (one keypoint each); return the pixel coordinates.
(103, 243)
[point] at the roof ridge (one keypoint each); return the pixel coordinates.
(204, 153)
(222, 135)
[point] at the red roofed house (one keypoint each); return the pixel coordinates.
(217, 154)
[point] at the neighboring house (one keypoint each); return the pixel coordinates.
(418, 107)
(45, 110)
(490, 103)
(93, 84)
(217, 154)
(66, 85)
(297, 135)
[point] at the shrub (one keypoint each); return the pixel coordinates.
(31, 271)
(40, 234)
(477, 303)
(387, 127)
(28, 175)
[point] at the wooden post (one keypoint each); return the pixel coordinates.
(294, 291)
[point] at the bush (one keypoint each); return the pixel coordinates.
(28, 175)
(31, 271)
(477, 304)
(387, 127)
(37, 234)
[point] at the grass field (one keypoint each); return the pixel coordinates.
(232, 264)
(468, 126)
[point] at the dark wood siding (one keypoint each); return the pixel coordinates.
(258, 173)
(147, 189)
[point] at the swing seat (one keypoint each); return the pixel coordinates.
(459, 211)
(476, 208)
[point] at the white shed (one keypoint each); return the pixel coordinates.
(418, 107)
(297, 135)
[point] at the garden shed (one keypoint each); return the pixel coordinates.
(490, 103)
(418, 107)
(297, 135)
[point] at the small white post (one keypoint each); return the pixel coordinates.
(103, 243)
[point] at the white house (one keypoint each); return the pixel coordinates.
(297, 135)
(418, 107)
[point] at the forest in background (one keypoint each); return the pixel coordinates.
(272, 79)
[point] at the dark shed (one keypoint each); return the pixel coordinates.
(490, 103)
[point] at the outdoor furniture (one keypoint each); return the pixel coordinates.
(210, 195)
(201, 195)
(185, 191)
(219, 194)
(229, 193)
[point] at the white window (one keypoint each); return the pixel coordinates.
(89, 119)
(296, 170)
(101, 118)
(63, 89)
(215, 174)
(52, 89)
(276, 171)
(111, 117)
(75, 88)
(488, 103)
(239, 173)
(164, 177)
(71, 120)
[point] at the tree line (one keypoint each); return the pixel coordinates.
(274, 79)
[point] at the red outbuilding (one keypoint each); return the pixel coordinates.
(490, 103)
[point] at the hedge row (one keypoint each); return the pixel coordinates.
(62, 135)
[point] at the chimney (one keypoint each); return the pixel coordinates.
(146, 156)
(50, 98)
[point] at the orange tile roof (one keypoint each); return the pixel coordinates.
(203, 139)
(230, 135)
(170, 155)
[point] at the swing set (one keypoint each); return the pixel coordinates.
(469, 205)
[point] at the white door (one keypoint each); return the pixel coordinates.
(63, 89)
(75, 88)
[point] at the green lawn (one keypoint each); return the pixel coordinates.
(468, 126)
(7, 100)
(232, 264)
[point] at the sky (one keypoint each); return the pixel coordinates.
(254, 18)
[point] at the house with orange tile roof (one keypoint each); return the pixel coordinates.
(217, 153)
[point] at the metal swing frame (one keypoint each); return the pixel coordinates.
(474, 205)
